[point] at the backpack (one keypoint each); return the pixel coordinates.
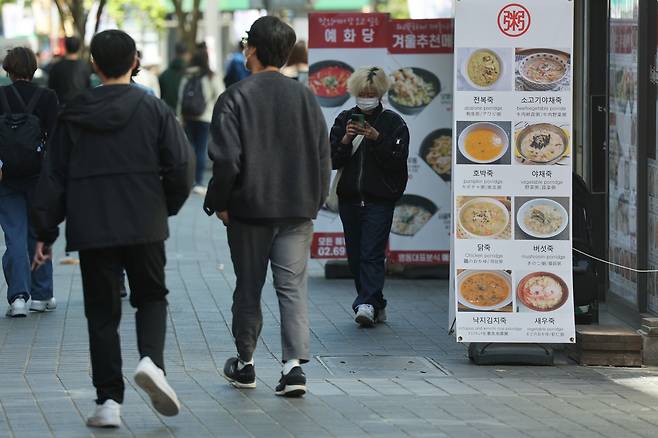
(193, 103)
(21, 138)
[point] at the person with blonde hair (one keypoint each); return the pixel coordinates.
(369, 146)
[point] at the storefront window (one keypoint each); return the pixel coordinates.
(623, 150)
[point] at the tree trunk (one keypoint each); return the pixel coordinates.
(187, 30)
(99, 15)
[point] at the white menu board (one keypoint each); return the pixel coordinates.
(512, 258)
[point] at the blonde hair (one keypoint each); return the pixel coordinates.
(368, 78)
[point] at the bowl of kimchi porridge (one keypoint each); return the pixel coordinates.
(543, 71)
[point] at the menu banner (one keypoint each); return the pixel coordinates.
(417, 55)
(512, 159)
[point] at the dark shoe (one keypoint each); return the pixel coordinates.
(292, 384)
(244, 378)
(122, 291)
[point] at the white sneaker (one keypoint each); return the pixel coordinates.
(42, 306)
(381, 316)
(365, 315)
(17, 309)
(106, 415)
(200, 190)
(152, 380)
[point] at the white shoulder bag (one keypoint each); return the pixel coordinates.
(332, 199)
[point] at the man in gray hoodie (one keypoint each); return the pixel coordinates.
(271, 154)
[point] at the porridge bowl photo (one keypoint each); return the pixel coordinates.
(542, 143)
(542, 218)
(482, 69)
(483, 218)
(543, 71)
(484, 290)
(542, 291)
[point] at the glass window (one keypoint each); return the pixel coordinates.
(623, 150)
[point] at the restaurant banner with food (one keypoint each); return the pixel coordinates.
(512, 258)
(417, 54)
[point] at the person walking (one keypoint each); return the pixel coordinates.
(199, 91)
(71, 76)
(235, 66)
(27, 117)
(118, 165)
(271, 173)
(369, 145)
(171, 78)
(297, 65)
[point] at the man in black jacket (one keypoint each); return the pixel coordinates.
(118, 165)
(271, 155)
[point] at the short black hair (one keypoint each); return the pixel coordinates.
(113, 52)
(20, 63)
(72, 44)
(273, 40)
(181, 49)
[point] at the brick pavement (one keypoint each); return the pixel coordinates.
(415, 380)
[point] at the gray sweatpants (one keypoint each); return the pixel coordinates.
(286, 247)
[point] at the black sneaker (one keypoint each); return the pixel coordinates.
(292, 384)
(244, 378)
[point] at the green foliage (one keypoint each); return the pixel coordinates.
(147, 11)
(398, 9)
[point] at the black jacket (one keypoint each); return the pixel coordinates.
(117, 166)
(69, 78)
(270, 151)
(377, 172)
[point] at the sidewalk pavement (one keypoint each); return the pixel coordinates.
(404, 378)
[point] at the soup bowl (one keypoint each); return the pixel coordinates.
(461, 141)
(497, 275)
(491, 202)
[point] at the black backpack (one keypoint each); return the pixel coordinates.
(193, 103)
(21, 139)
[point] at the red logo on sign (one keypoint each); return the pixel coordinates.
(514, 20)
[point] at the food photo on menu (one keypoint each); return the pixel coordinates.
(484, 291)
(543, 69)
(485, 69)
(542, 218)
(541, 292)
(436, 151)
(328, 81)
(411, 214)
(484, 142)
(413, 89)
(541, 143)
(484, 217)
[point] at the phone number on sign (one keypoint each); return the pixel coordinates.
(331, 251)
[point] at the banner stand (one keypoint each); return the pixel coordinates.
(489, 353)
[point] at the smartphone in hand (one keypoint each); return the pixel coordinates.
(358, 119)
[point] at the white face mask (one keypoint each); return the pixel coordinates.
(367, 103)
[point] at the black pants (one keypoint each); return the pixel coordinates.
(101, 268)
(366, 235)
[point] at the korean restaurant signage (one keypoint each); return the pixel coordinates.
(512, 160)
(417, 54)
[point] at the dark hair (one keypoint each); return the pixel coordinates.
(181, 49)
(72, 45)
(113, 52)
(299, 54)
(20, 63)
(273, 40)
(200, 59)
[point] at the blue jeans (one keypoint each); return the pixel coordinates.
(198, 132)
(366, 235)
(21, 241)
